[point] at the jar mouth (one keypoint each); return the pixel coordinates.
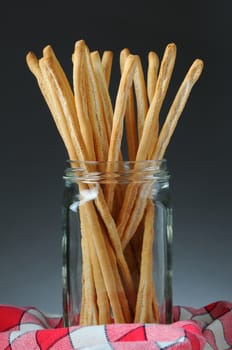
(116, 170)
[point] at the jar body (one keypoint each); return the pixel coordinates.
(117, 242)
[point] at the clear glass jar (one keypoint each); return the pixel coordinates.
(117, 243)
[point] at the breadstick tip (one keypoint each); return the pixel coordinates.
(153, 55)
(171, 47)
(199, 64)
(30, 56)
(124, 53)
(95, 54)
(32, 61)
(108, 53)
(79, 43)
(196, 70)
(48, 51)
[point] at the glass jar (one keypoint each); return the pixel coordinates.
(117, 243)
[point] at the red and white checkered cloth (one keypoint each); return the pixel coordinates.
(207, 328)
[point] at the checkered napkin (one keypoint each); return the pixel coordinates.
(206, 328)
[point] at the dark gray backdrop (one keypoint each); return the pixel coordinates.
(33, 157)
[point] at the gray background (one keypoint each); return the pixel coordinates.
(33, 156)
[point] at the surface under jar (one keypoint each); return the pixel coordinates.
(117, 243)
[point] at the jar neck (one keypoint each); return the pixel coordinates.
(120, 171)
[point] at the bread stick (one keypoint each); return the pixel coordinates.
(107, 59)
(120, 108)
(80, 96)
(102, 300)
(130, 118)
(118, 117)
(150, 130)
(176, 109)
(58, 116)
(61, 98)
(103, 92)
(141, 96)
(144, 298)
(152, 73)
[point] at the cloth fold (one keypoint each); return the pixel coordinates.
(206, 328)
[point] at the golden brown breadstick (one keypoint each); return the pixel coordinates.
(103, 91)
(144, 310)
(102, 300)
(83, 305)
(80, 95)
(152, 72)
(140, 92)
(49, 52)
(61, 98)
(150, 130)
(120, 108)
(96, 111)
(33, 64)
(119, 113)
(177, 107)
(58, 117)
(107, 59)
(130, 119)
(89, 314)
(55, 66)
(141, 96)
(136, 215)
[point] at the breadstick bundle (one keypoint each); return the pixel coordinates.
(115, 207)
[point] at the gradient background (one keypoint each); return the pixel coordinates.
(33, 156)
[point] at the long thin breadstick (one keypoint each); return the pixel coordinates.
(177, 108)
(107, 59)
(137, 213)
(152, 73)
(96, 111)
(33, 64)
(141, 96)
(90, 314)
(151, 122)
(104, 92)
(80, 95)
(56, 69)
(144, 310)
(61, 97)
(58, 116)
(102, 300)
(130, 119)
(83, 307)
(120, 108)
(119, 113)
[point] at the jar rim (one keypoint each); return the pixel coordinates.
(149, 169)
(127, 162)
